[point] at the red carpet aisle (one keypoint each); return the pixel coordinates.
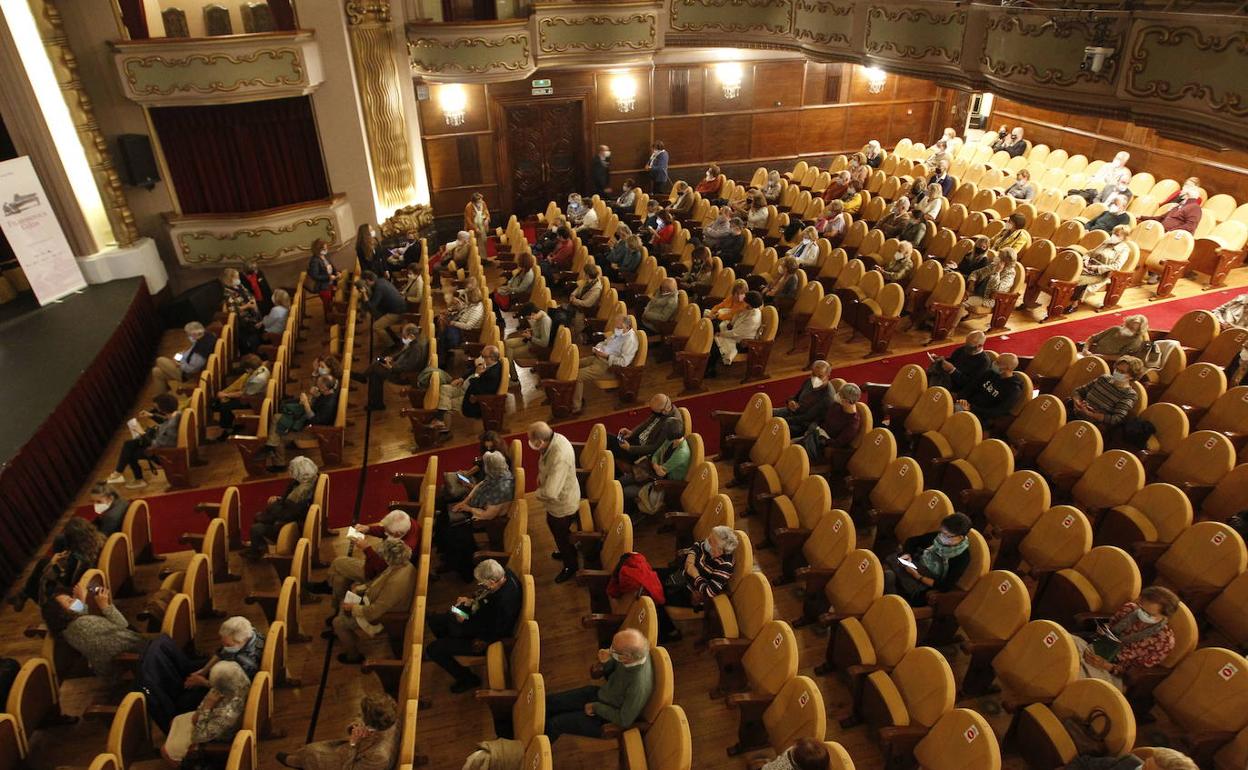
(174, 514)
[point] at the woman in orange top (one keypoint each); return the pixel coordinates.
(731, 305)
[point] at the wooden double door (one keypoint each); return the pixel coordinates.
(544, 153)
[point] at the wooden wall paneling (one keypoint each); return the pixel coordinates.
(629, 143)
(682, 137)
(865, 122)
(724, 137)
(822, 130)
(713, 99)
(778, 84)
(912, 120)
(476, 115)
(606, 103)
(448, 205)
(773, 134)
(910, 88)
(690, 79)
(816, 78)
(859, 90)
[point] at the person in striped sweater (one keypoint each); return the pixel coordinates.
(697, 575)
(1109, 399)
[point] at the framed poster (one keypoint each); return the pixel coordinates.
(30, 224)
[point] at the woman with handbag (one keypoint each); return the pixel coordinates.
(697, 574)
(1138, 636)
(217, 718)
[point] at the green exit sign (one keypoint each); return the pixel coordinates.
(543, 83)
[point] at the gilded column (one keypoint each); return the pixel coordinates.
(381, 99)
(65, 66)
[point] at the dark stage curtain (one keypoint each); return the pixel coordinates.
(133, 17)
(235, 158)
(46, 474)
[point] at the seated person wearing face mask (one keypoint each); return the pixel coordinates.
(1137, 637)
(346, 571)
(807, 251)
(962, 366)
(931, 562)
(410, 355)
(975, 259)
(810, 402)
(1098, 264)
(462, 393)
(1110, 398)
(628, 444)
(629, 681)
(487, 616)
(1115, 214)
(697, 575)
(833, 435)
(995, 392)
(618, 349)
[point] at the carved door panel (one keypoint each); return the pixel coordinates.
(544, 151)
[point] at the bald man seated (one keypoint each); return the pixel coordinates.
(629, 444)
(630, 680)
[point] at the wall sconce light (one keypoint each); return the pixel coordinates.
(624, 89)
(730, 75)
(876, 78)
(453, 100)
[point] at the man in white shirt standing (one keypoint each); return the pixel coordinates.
(618, 348)
(558, 491)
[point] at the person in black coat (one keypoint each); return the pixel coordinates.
(253, 278)
(808, 404)
(110, 508)
(473, 623)
(321, 273)
(963, 366)
(994, 393)
(631, 443)
(931, 562)
(600, 171)
(411, 354)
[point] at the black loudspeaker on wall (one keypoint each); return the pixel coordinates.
(138, 164)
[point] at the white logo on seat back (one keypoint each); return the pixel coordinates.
(1209, 443)
(779, 640)
(803, 699)
(970, 733)
(1050, 639)
(862, 565)
(1121, 462)
(1068, 521)
(1228, 671)
(1028, 484)
(1004, 588)
(1218, 538)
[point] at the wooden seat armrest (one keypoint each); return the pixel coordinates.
(1198, 598)
(859, 670)
(976, 647)
(36, 632)
(1146, 554)
(753, 701)
(976, 499)
(1205, 745)
(410, 507)
(907, 736)
(668, 485)
(728, 650)
(1195, 492)
(126, 659)
(480, 556)
(216, 749)
(588, 537)
(681, 517)
(814, 579)
(737, 441)
(831, 616)
(212, 509)
(497, 697)
(1089, 619)
(593, 578)
(99, 712)
(790, 534)
(600, 618)
(612, 730)
(372, 665)
(924, 613)
(403, 478)
(945, 602)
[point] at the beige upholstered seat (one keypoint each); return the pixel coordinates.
(666, 744)
(1207, 694)
(1101, 582)
(1155, 514)
(995, 608)
(1037, 663)
(1201, 561)
(1070, 452)
(1043, 737)
(1036, 425)
(880, 638)
(1111, 479)
(917, 693)
(1228, 613)
(960, 740)
(1199, 462)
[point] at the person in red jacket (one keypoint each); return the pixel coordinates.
(633, 576)
(346, 571)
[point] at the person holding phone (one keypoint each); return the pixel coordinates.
(1137, 637)
(371, 743)
(488, 616)
(629, 444)
(163, 433)
(963, 365)
(931, 562)
(487, 500)
(187, 363)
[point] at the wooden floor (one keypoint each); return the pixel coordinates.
(449, 729)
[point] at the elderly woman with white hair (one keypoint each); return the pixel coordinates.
(291, 506)
(241, 643)
(772, 187)
(697, 575)
(490, 498)
(346, 571)
(361, 610)
(934, 203)
(217, 718)
(874, 154)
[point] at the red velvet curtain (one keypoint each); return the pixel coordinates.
(234, 158)
(134, 18)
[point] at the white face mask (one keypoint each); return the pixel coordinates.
(236, 283)
(1114, 208)
(816, 382)
(322, 370)
(100, 507)
(1190, 192)
(324, 253)
(1144, 617)
(406, 341)
(77, 607)
(1119, 377)
(233, 649)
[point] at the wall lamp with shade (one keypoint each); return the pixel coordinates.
(730, 75)
(876, 78)
(453, 99)
(624, 89)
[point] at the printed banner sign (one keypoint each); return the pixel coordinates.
(30, 224)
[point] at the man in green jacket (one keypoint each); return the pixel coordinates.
(630, 680)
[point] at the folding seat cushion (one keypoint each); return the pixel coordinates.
(1034, 427)
(1172, 428)
(1199, 461)
(995, 608)
(1207, 693)
(900, 483)
(525, 653)
(771, 660)
(873, 456)
(1196, 388)
(1051, 361)
(1044, 739)
(1155, 514)
(983, 470)
(1057, 540)
(1111, 479)
(955, 439)
(856, 585)
(930, 411)
(1101, 582)
(667, 744)
(1227, 498)
(1070, 452)
(831, 541)
(1018, 501)
(751, 605)
(960, 740)
(796, 712)
(917, 693)
(1080, 373)
(780, 479)
(1037, 663)
(907, 387)
(1228, 612)
(924, 514)
(1202, 560)
(880, 638)
(1229, 414)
